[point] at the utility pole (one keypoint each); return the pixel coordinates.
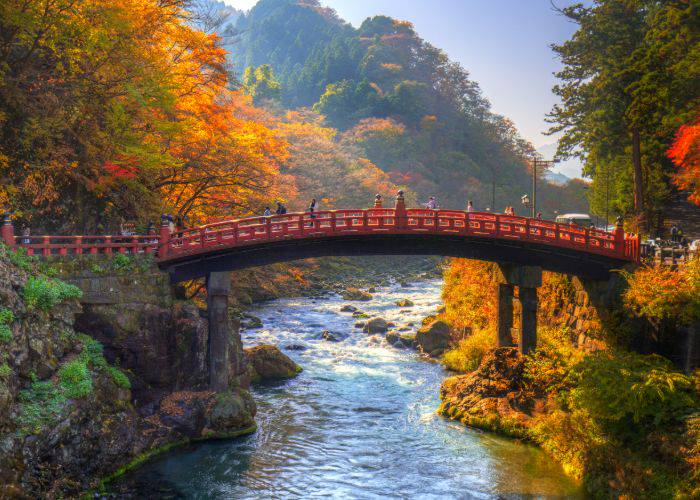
(536, 162)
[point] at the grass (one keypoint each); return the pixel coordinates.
(467, 356)
(39, 406)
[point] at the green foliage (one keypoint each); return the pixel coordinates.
(631, 393)
(20, 258)
(92, 352)
(42, 293)
(260, 83)
(5, 371)
(75, 379)
(122, 263)
(119, 377)
(39, 405)
(467, 356)
(6, 318)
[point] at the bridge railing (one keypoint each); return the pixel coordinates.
(379, 220)
(47, 246)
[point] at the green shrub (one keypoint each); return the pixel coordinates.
(467, 356)
(76, 380)
(43, 293)
(21, 259)
(5, 334)
(119, 378)
(6, 318)
(39, 405)
(93, 351)
(5, 370)
(630, 393)
(121, 263)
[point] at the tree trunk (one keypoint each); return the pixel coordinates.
(638, 181)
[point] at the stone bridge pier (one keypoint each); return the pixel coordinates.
(527, 279)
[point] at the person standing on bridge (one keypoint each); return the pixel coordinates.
(470, 206)
(674, 233)
(539, 216)
(267, 212)
(281, 209)
(312, 208)
(432, 204)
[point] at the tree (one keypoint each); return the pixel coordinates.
(629, 80)
(685, 153)
(260, 83)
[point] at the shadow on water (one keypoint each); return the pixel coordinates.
(359, 422)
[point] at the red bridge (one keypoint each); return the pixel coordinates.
(254, 241)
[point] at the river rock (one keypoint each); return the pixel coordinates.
(360, 324)
(267, 362)
(351, 293)
(251, 322)
(494, 392)
(404, 303)
(348, 308)
(398, 339)
(295, 347)
(331, 336)
(434, 338)
(376, 325)
(359, 314)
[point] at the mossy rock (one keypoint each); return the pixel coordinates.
(351, 293)
(268, 363)
(405, 303)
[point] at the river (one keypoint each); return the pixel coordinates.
(359, 422)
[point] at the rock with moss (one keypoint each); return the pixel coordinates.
(376, 325)
(434, 338)
(351, 293)
(401, 339)
(405, 303)
(268, 363)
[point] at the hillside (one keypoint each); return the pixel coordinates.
(397, 99)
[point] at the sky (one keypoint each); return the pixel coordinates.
(504, 44)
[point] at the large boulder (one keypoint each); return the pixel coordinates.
(267, 362)
(404, 303)
(376, 325)
(351, 293)
(434, 338)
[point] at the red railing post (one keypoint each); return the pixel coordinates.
(46, 241)
(620, 246)
(78, 245)
(164, 240)
(8, 230)
(400, 214)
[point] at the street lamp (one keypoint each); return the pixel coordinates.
(536, 162)
(525, 199)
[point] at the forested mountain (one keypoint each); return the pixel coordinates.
(398, 100)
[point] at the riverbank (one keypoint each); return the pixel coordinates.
(625, 424)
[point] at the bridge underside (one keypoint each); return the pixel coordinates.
(493, 250)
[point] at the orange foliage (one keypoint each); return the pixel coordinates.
(685, 153)
(469, 294)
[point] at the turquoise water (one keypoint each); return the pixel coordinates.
(359, 422)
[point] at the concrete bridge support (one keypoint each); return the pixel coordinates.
(218, 289)
(527, 279)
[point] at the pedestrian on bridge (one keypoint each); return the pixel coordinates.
(539, 215)
(281, 209)
(470, 206)
(267, 212)
(432, 204)
(312, 208)
(674, 233)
